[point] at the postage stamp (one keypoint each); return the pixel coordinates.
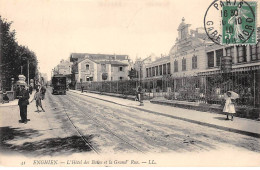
(232, 22)
(239, 22)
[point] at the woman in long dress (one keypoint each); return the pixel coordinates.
(229, 107)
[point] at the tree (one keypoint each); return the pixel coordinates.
(13, 56)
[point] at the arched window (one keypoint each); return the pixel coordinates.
(87, 66)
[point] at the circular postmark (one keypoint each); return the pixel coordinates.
(227, 22)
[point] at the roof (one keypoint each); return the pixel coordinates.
(112, 62)
(98, 56)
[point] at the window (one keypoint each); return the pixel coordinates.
(210, 59)
(111, 78)
(164, 69)
(89, 78)
(194, 62)
(120, 68)
(156, 71)
(160, 69)
(255, 52)
(87, 67)
(153, 71)
(103, 67)
(147, 75)
(219, 55)
(241, 51)
(175, 66)
(168, 68)
(183, 64)
(150, 72)
(230, 52)
(120, 78)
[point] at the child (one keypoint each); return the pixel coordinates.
(37, 98)
(229, 107)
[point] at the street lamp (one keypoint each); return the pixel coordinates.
(21, 64)
(140, 90)
(28, 64)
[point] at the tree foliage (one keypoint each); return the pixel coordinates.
(13, 56)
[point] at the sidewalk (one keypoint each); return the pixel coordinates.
(20, 138)
(11, 103)
(239, 125)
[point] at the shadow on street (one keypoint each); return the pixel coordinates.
(46, 147)
(221, 118)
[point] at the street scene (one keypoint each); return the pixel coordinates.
(87, 97)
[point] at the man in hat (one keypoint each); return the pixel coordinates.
(23, 102)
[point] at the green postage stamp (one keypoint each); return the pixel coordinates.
(239, 22)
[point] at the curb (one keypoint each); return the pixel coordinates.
(252, 134)
(129, 97)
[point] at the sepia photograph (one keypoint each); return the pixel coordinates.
(128, 83)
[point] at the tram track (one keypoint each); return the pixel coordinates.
(81, 135)
(71, 104)
(98, 123)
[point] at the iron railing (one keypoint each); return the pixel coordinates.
(204, 88)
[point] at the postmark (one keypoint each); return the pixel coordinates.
(231, 22)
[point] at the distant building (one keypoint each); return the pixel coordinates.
(64, 68)
(99, 67)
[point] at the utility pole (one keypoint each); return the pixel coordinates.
(28, 75)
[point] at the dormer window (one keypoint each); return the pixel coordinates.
(87, 66)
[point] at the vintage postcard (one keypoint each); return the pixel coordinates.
(127, 83)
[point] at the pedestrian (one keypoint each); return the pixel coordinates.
(30, 89)
(38, 97)
(136, 94)
(23, 102)
(82, 88)
(43, 91)
(139, 90)
(229, 107)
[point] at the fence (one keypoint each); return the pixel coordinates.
(204, 88)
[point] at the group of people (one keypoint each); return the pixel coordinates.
(24, 95)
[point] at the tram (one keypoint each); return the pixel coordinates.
(59, 84)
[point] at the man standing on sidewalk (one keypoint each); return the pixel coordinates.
(23, 102)
(82, 88)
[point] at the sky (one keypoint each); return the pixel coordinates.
(54, 29)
